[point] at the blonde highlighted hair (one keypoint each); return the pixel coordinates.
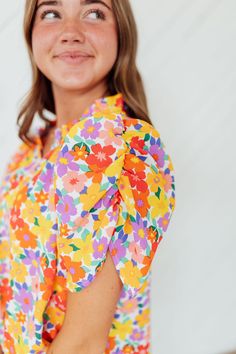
(124, 77)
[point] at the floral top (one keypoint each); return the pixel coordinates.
(106, 183)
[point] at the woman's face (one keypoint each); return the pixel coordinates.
(75, 42)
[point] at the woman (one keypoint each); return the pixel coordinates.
(84, 201)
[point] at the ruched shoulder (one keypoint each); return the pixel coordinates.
(114, 185)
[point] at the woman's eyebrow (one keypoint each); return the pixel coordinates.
(83, 2)
(49, 2)
(88, 2)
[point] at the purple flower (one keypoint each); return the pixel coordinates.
(46, 178)
(106, 200)
(3, 268)
(25, 298)
(164, 222)
(137, 335)
(65, 162)
(118, 250)
(91, 129)
(158, 154)
(66, 208)
(113, 215)
(99, 247)
(140, 232)
(50, 245)
(33, 260)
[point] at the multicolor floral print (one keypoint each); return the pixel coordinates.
(107, 183)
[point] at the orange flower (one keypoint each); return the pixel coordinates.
(74, 268)
(25, 237)
(80, 152)
(20, 317)
(21, 197)
(64, 230)
(128, 349)
(46, 287)
(110, 345)
(141, 202)
(132, 162)
(153, 234)
(14, 181)
(41, 197)
(96, 176)
(9, 343)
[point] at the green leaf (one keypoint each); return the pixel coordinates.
(158, 193)
(75, 248)
(36, 222)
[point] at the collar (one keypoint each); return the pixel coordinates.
(114, 103)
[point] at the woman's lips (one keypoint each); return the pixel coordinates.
(73, 59)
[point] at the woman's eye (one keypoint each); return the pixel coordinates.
(96, 14)
(49, 14)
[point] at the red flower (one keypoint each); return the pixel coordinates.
(138, 144)
(143, 349)
(137, 180)
(15, 220)
(5, 292)
(100, 158)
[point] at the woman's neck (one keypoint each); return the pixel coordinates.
(70, 105)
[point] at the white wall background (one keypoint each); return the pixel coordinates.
(187, 57)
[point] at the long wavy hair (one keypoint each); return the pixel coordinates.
(124, 76)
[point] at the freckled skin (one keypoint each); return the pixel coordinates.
(74, 28)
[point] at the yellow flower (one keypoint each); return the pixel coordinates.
(121, 329)
(131, 274)
(20, 346)
(155, 180)
(92, 196)
(159, 206)
(4, 249)
(86, 250)
(63, 245)
(172, 201)
(30, 210)
(56, 315)
(43, 229)
(102, 220)
(18, 271)
(14, 327)
(143, 318)
(39, 309)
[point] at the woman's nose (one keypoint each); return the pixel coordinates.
(72, 32)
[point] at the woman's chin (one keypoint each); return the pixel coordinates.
(71, 85)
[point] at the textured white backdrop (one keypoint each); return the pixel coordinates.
(187, 57)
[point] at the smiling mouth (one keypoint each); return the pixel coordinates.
(73, 58)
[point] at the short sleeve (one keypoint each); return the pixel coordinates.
(114, 190)
(147, 189)
(88, 166)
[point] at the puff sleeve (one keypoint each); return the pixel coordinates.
(114, 190)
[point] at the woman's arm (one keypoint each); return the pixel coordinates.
(89, 314)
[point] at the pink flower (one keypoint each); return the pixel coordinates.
(136, 251)
(109, 134)
(73, 181)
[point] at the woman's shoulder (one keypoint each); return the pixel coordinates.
(20, 156)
